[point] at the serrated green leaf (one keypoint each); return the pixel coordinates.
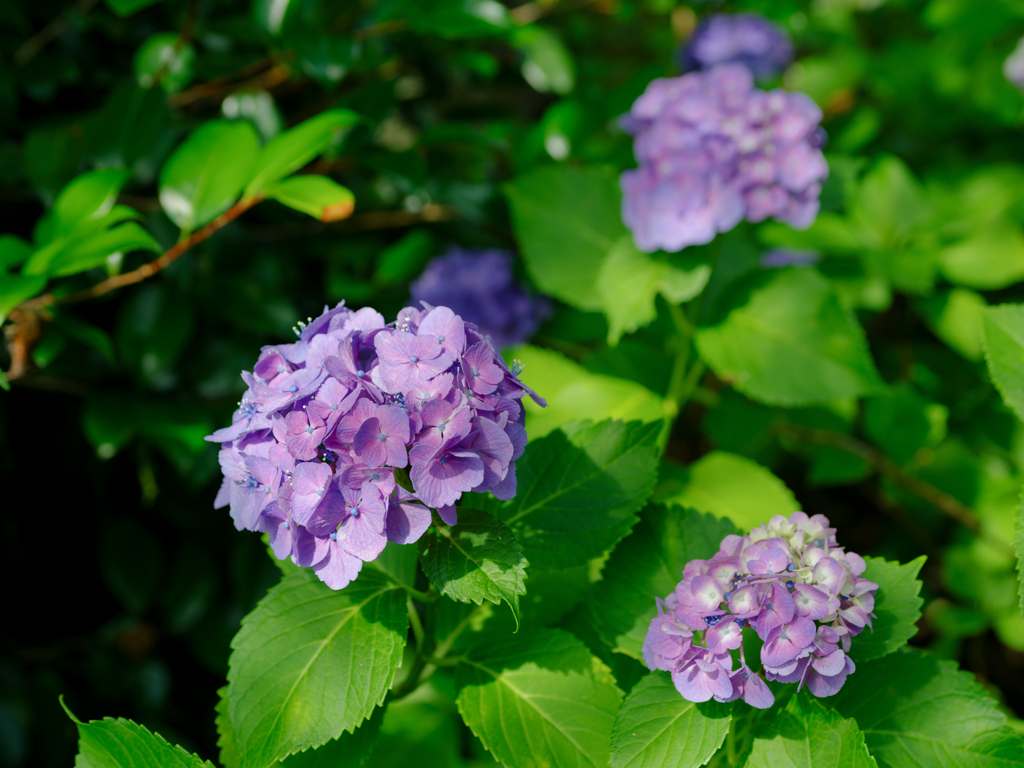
(294, 148)
(917, 710)
(539, 700)
(318, 196)
(806, 735)
(1004, 352)
(897, 607)
(648, 564)
(629, 280)
(205, 174)
(658, 728)
(783, 338)
(566, 219)
(310, 663)
(15, 289)
(478, 559)
(727, 485)
(579, 490)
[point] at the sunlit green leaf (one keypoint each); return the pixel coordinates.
(318, 196)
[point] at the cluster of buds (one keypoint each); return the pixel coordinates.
(327, 421)
(790, 582)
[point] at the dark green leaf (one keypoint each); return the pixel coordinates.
(120, 743)
(901, 422)
(13, 251)
(478, 559)
(318, 196)
(128, 7)
(658, 728)
(131, 560)
(403, 259)
(310, 663)
(1004, 352)
(165, 59)
(897, 607)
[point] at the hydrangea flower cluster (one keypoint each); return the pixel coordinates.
(326, 422)
(801, 593)
(744, 38)
(714, 150)
(478, 285)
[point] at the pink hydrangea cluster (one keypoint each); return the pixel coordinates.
(714, 150)
(801, 593)
(327, 421)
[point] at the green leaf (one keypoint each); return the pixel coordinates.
(1018, 548)
(127, 7)
(455, 19)
(579, 490)
(167, 59)
(539, 700)
(658, 728)
(477, 560)
(901, 422)
(310, 663)
(917, 710)
(404, 258)
(574, 393)
(956, 318)
(82, 242)
(318, 196)
(727, 485)
(15, 289)
(566, 219)
(629, 280)
(294, 148)
(13, 251)
(547, 64)
(784, 339)
(203, 177)
(120, 743)
(89, 196)
(806, 735)
(897, 607)
(79, 255)
(648, 564)
(992, 258)
(1004, 352)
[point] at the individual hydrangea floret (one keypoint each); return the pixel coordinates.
(479, 286)
(791, 583)
(334, 426)
(743, 38)
(1013, 67)
(713, 150)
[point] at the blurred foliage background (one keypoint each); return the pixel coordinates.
(125, 587)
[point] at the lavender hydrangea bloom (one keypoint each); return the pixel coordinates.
(742, 38)
(788, 580)
(778, 258)
(312, 454)
(713, 150)
(478, 285)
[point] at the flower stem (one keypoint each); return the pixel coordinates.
(423, 597)
(417, 625)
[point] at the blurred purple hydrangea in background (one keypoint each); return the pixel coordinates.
(777, 258)
(326, 422)
(1013, 67)
(478, 285)
(713, 150)
(788, 580)
(742, 38)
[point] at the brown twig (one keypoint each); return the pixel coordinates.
(49, 33)
(259, 76)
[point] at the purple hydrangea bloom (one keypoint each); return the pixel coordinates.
(713, 150)
(778, 258)
(789, 581)
(312, 453)
(478, 285)
(742, 38)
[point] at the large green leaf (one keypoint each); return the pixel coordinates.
(89, 196)
(310, 663)
(478, 559)
(81, 254)
(991, 258)
(203, 177)
(566, 220)
(658, 728)
(806, 735)
(897, 607)
(547, 64)
(120, 743)
(318, 196)
(648, 564)
(727, 485)
(917, 710)
(294, 148)
(539, 700)
(1004, 352)
(785, 339)
(579, 490)
(15, 289)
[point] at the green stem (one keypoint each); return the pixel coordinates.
(417, 625)
(423, 597)
(730, 743)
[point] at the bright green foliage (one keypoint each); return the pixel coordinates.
(15, 289)
(916, 710)
(897, 606)
(205, 174)
(657, 727)
(956, 318)
(1004, 352)
(547, 65)
(13, 251)
(310, 663)
(89, 196)
(784, 339)
(120, 743)
(729, 486)
(647, 564)
(542, 700)
(166, 60)
(580, 489)
(901, 422)
(992, 258)
(566, 221)
(1018, 548)
(478, 559)
(318, 196)
(806, 735)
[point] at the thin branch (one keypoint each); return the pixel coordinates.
(259, 76)
(49, 33)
